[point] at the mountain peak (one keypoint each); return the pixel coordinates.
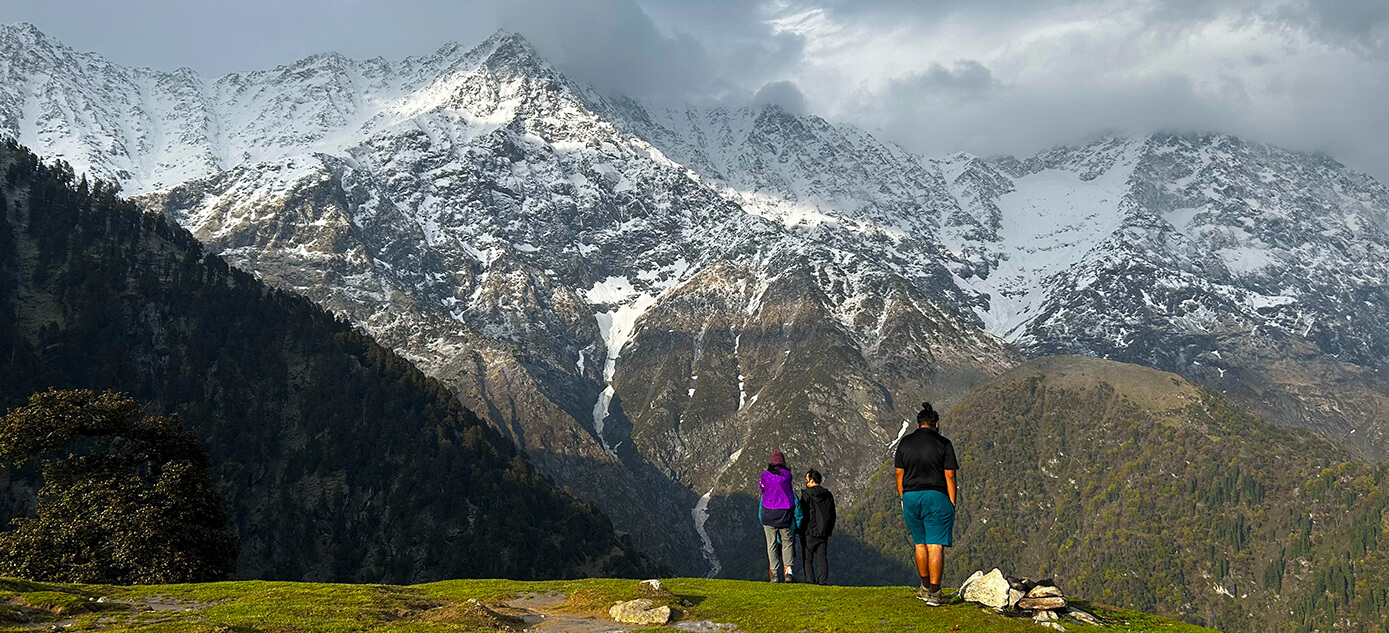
(26, 34)
(507, 49)
(23, 28)
(504, 36)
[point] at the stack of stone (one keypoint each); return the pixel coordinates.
(1040, 599)
(1041, 595)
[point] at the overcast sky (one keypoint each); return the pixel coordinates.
(985, 76)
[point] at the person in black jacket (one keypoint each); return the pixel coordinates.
(818, 508)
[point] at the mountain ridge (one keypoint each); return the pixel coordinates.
(646, 298)
(337, 459)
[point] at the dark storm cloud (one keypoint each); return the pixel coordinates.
(1023, 120)
(1350, 14)
(965, 81)
(615, 44)
(1310, 75)
(987, 76)
(782, 94)
(738, 39)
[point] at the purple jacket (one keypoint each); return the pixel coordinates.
(776, 490)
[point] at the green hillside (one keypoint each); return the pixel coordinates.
(254, 607)
(1134, 487)
(338, 459)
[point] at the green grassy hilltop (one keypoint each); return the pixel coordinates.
(282, 607)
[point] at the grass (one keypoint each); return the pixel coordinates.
(281, 607)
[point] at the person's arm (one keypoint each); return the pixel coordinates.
(951, 465)
(900, 473)
(949, 485)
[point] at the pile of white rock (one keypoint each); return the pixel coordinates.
(1042, 599)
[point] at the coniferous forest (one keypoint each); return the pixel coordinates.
(337, 459)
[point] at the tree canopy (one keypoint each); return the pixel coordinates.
(126, 498)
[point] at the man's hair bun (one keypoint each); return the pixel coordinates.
(927, 414)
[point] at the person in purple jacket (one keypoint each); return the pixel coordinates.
(780, 515)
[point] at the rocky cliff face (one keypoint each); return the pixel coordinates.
(1246, 267)
(1249, 268)
(648, 298)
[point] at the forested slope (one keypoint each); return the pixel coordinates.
(339, 460)
(1133, 487)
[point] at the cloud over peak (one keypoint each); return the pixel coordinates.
(985, 76)
(782, 94)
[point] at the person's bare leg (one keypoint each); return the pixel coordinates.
(922, 560)
(937, 561)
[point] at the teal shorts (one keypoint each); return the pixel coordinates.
(930, 517)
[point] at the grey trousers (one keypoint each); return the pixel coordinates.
(780, 547)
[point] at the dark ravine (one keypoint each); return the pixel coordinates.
(337, 458)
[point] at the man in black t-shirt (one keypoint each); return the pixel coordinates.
(926, 466)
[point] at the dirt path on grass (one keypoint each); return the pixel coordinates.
(540, 613)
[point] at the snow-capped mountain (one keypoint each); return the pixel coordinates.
(636, 330)
(650, 297)
(1256, 270)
